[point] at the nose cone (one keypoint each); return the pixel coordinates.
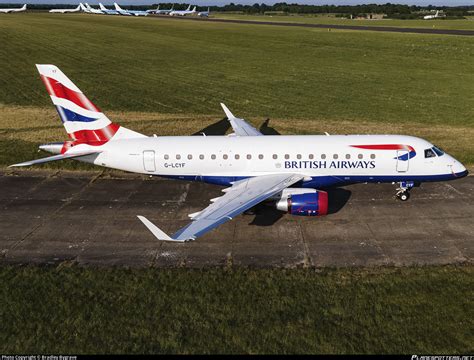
(458, 170)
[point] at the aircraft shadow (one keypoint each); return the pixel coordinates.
(218, 128)
(222, 126)
(267, 130)
(267, 215)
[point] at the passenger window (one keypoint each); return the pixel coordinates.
(237, 156)
(287, 156)
(275, 156)
(225, 156)
(213, 157)
(190, 157)
(360, 156)
(311, 156)
(167, 157)
(372, 156)
(348, 156)
(298, 156)
(323, 156)
(178, 157)
(429, 153)
(201, 157)
(249, 156)
(335, 156)
(260, 156)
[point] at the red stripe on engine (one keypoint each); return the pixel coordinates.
(322, 203)
(57, 89)
(95, 137)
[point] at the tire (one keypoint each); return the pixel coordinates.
(404, 196)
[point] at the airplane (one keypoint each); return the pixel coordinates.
(13, 10)
(204, 13)
(429, 17)
(161, 12)
(91, 10)
(129, 12)
(107, 11)
(183, 12)
(63, 11)
(289, 172)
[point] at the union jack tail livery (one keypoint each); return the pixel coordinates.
(84, 122)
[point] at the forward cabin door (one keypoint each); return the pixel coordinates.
(402, 165)
(149, 160)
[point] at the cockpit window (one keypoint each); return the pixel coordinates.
(438, 151)
(429, 153)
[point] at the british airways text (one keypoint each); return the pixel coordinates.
(343, 164)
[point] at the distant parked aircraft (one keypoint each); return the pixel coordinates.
(107, 11)
(129, 12)
(91, 10)
(63, 11)
(161, 12)
(183, 12)
(204, 13)
(13, 10)
(429, 17)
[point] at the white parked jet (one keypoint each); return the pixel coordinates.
(183, 12)
(289, 171)
(161, 12)
(91, 10)
(129, 12)
(429, 17)
(13, 10)
(64, 11)
(204, 13)
(107, 11)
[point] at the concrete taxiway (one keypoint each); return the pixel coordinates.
(90, 218)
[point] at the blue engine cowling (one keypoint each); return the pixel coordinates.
(311, 204)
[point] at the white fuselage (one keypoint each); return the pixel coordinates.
(13, 10)
(323, 160)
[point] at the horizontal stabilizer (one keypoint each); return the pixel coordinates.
(159, 234)
(55, 158)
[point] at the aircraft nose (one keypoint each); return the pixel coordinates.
(458, 169)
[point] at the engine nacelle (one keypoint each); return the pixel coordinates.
(313, 203)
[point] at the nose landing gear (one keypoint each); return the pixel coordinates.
(403, 191)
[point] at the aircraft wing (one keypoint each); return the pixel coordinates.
(55, 158)
(240, 126)
(242, 195)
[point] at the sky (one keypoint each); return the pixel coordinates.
(249, 2)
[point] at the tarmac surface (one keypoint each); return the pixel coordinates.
(328, 26)
(89, 218)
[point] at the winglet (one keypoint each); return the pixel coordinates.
(159, 234)
(227, 112)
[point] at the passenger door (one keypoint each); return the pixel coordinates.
(403, 159)
(149, 160)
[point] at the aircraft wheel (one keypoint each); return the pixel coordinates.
(404, 196)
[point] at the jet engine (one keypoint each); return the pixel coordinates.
(303, 202)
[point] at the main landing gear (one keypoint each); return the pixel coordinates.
(403, 191)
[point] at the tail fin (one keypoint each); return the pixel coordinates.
(189, 7)
(84, 122)
(194, 10)
(117, 7)
(102, 7)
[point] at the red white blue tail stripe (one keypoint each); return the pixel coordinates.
(411, 151)
(84, 122)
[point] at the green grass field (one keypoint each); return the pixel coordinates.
(462, 24)
(72, 310)
(306, 79)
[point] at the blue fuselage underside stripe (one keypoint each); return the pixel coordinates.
(328, 181)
